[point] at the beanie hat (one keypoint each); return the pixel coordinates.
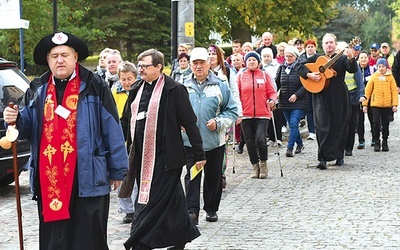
(252, 54)
(382, 61)
(292, 50)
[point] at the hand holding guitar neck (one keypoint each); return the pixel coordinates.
(323, 68)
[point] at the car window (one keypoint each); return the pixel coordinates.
(12, 87)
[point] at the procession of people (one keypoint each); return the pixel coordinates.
(131, 127)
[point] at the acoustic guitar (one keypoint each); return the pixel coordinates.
(323, 65)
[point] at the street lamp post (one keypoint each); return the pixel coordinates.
(55, 16)
(182, 24)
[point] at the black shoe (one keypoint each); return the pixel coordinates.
(223, 182)
(339, 162)
(128, 218)
(385, 146)
(348, 153)
(322, 165)
(194, 217)
(240, 150)
(177, 247)
(140, 246)
(361, 145)
(289, 152)
(299, 148)
(377, 146)
(211, 217)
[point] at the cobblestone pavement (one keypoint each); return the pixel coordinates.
(354, 206)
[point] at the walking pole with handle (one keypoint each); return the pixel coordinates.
(276, 138)
(234, 148)
(11, 138)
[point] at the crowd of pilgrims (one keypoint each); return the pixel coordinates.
(280, 67)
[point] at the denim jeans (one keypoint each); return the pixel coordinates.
(293, 117)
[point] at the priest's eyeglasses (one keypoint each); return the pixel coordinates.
(144, 66)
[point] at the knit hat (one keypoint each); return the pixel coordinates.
(292, 50)
(382, 61)
(252, 54)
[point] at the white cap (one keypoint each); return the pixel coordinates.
(199, 53)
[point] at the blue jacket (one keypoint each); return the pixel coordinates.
(214, 101)
(102, 155)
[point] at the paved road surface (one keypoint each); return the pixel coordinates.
(355, 206)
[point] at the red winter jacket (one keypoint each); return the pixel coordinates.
(255, 89)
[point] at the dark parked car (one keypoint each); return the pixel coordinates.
(13, 84)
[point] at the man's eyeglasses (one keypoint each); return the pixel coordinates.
(144, 66)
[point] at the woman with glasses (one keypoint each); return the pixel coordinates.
(293, 98)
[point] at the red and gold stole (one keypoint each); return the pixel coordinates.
(149, 141)
(58, 150)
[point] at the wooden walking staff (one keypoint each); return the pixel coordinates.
(11, 137)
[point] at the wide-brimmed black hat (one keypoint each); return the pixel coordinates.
(56, 39)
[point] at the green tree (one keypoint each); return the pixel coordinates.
(245, 18)
(376, 29)
(345, 26)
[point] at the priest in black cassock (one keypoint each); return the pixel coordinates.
(155, 112)
(331, 105)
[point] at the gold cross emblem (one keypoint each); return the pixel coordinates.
(49, 152)
(66, 148)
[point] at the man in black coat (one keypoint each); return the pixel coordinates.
(155, 112)
(331, 105)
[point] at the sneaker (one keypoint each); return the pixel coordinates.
(361, 145)
(289, 152)
(311, 136)
(194, 217)
(284, 129)
(377, 146)
(348, 153)
(339, 162)
(322, 165)
(302, 123)
(270, 143)
(128, 218)
(223, 182)
(299, 148)
(385, 146)
(372, 143)
(278, 143)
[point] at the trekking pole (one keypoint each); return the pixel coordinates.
(11, 136)
(234, 148)
(276, 138)
(17, 194)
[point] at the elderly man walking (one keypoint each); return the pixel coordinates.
(216, 110)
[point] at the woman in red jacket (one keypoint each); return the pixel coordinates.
(258, 96)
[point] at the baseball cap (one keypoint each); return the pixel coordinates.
(385, 45)
(375, 46)
(199, 53)
(357, 47)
